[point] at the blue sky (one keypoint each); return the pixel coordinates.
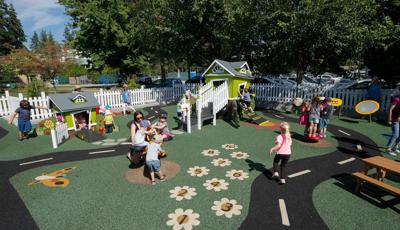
(37, 15)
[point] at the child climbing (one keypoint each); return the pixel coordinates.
(152, 161)
(24, 118)
(315, 112)
(325, 116)
(304, 116)
(283, 151)
(161, 126)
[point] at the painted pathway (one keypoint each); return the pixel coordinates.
(264, 208)
(13, 212)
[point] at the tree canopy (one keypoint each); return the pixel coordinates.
(275, 36)
(11, 33)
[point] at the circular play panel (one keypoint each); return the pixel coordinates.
(141, 175)
(367, 107)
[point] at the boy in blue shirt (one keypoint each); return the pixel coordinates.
(126, 99)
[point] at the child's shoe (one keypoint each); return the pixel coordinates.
(282, 181)
(391, 152)
(163, 178)
(153, 182)
(275, 175)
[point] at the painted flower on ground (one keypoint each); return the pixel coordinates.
(237, 174)
(239, 155)
(180, 193)
(181, 219)
(221, 162)
(198, 171)
(210, 152)
(227, 207)
(216, 184)
(229, 146)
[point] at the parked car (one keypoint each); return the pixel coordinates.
(169, 82)
(365, 84)
(144, 80)
(195, 80)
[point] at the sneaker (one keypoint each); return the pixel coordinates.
(397, 150)
(275, 175)
(153, 183)
(282, 181)
(163, 178)
(392, 153)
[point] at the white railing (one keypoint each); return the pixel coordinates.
(59, 134)
(4, 106)
(220, 99)
(204, 97)
(350, 98)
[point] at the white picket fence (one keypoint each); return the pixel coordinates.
(350, 98)
(59, 134)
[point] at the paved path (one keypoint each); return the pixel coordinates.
(264, 208)
(13, 212)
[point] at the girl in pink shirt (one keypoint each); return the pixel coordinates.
(283, 151)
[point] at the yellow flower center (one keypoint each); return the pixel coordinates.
(182, 192)
(198, 171)
(237, 174)
(215, 184)
(182, 219)
(226, 207)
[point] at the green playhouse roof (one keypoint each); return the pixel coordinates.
(232, 68)
(65, 101)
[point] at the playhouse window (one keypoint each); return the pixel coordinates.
(218, 69)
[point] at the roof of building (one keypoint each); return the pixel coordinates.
(231, 67)
(64, 101)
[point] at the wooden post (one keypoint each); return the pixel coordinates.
(54, 138)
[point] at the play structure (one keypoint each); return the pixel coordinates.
(367, 107)
(77, 110)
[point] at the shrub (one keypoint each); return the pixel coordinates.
(34, 88)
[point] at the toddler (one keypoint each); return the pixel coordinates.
(152, 161)
(283, 151)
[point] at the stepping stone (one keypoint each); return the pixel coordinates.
(109, 140)
(177, 132)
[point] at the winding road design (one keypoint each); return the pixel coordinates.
(13, 212)
(265, 193)
(297, 193)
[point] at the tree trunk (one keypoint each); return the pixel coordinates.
(163, 74)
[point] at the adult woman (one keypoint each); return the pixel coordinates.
(138, 135)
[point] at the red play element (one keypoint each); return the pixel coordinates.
(315, 138)
(101, 130)
(97, 110)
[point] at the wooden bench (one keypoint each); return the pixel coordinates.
(361, 178)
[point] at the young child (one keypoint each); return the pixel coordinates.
(126, 99)
(161, 127)
(108, 121)
(152, 161)
(24, 118)
(283, 151)
(304, 116)
(247, 100)
(315, 113)
(325, 116)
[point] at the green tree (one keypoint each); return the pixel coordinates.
(35, 43)
(11, 33)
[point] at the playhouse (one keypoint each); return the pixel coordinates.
(237, 74)
(75, 109)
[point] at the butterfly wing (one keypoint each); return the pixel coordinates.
(57, 182)
(61, 171)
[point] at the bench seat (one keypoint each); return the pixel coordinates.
(361, 178)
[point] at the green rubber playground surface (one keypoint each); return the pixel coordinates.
(99, 196)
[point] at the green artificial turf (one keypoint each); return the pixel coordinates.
(11, 148)
(98, 186)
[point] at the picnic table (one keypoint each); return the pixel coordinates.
(383, 167)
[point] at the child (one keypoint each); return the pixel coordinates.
(304, 116)
(283, 151)
(108, 121)
(161, 127)
(325, 116)
(315, 112)
(126, 99)
(247, 100)
(152, 161)
(24, 118)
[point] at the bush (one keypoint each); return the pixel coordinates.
(132, 83)
(35, 87)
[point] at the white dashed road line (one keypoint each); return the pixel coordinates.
(299, 173)
(284, 214)
(126, 143)
(105, 151)
(31, 162)
(346, 161)
(343, 132)
(279, 116)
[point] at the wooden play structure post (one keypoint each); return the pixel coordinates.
(189, 123)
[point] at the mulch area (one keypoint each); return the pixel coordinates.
(141, 175)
